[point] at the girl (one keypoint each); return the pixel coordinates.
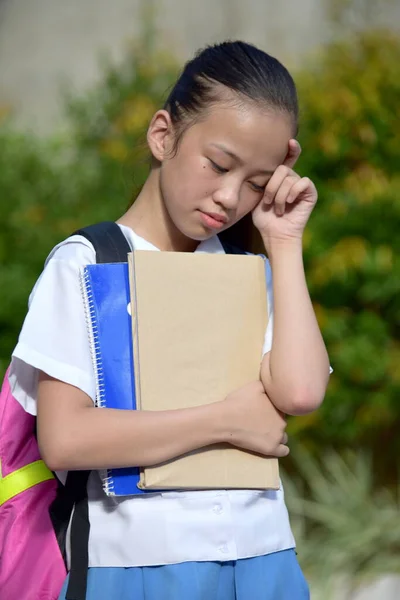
(222, 149)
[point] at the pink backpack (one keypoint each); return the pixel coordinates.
(35, 509)
(31, 563)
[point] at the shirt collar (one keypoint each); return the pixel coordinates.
(210, 246)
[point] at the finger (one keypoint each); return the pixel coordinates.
(274, 183)
(301, 186)
(281, 196)
(285, 439)
(293, 192)
(281, 451)
(293, 154)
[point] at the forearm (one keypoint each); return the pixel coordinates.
(95, 438)
(295, 373)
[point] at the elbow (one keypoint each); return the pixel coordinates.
(56, 454)
(305, 401)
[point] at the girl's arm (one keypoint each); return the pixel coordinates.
(295, 372)
(74, 435)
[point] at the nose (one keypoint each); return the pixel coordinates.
(227, 196)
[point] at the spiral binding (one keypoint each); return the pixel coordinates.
(90, 317)
(108, 483)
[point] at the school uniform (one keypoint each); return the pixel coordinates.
(221, 544)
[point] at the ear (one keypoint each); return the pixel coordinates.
(160, 135)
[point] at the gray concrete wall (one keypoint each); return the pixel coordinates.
(46, 42)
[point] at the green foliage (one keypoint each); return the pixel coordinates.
(49, 188)
(342, 524)
(349, 132)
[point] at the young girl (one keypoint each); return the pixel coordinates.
(222, 148)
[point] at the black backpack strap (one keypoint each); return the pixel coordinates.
(80, 529)
(108, 241)
(110, 246)
(69, 496)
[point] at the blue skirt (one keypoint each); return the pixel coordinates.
(275, 576)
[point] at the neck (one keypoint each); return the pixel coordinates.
(148, 217)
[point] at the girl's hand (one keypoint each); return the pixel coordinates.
(253, 422)
(287, 203)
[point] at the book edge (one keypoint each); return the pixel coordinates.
(135, 342)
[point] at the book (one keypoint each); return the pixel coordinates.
(198, 326)
(105, 290)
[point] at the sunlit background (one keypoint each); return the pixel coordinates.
(79, 81)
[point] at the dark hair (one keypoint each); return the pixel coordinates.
(249, 72)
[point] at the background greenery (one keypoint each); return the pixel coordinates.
(350, 135)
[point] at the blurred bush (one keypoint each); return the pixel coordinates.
(49, 188)
(350, 134)
(338, 508)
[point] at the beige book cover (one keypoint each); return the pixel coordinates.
(198, 323)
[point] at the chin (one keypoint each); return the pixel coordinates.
(195, 230)
(201, 235)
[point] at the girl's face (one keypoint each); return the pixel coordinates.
(221, 166)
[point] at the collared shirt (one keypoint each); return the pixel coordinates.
(160, 528)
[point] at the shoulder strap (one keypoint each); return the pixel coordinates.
(108, 241)
(111, 245)
(76, 488)
(71, 499)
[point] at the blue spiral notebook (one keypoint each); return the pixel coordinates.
(105, 290)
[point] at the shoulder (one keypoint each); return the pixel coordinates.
(54, 336)
(64, 264)
(75, 249)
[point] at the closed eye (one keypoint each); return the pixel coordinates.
(217, 168)
(257, 188)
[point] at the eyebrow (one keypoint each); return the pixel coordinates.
(237, 159)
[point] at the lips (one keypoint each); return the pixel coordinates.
(217, 217)
(213, 220)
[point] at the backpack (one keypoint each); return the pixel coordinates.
(35, 508)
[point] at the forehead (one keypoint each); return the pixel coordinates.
(257, 136)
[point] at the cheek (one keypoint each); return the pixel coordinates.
(173, 181)
(196, 180)
(248, 201)
(188, 174)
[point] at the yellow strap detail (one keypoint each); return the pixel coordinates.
(23, 479)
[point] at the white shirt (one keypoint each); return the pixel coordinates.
(160, 528)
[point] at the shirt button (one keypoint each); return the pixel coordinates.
(223, 549)
(217, 509)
